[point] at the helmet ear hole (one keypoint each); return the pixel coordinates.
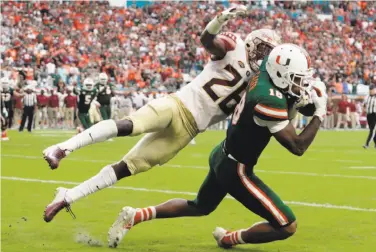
(279, 74)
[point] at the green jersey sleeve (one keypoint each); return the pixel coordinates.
(271, 109)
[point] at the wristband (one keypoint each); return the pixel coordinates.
(214, 26)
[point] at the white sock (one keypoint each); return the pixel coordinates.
(105, 178)
(99, 132)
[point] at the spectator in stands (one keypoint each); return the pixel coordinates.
(54, 44)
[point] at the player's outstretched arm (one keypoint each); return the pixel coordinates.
(298, 144)
(215, 44)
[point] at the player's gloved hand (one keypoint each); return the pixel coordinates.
(216, 24)
(319, 98)
(304, 100)
(231, 13)
(5, 112)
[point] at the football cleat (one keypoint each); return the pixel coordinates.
(121, 226)
(57, 205)
(53, 155)
(218, 234)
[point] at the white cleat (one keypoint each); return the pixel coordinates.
(218, 234)
(121, 226)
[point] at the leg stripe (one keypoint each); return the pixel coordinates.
(145, 214)
(261, 196)
(234, 238)
(150, 212)
(232, 241)
(239, 236)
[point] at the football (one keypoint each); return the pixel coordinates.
(307, 110)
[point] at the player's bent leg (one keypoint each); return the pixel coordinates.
(129, 217)
(260, 199)
(208, 198)
(158, 148)
(105, 178)
(155, 116)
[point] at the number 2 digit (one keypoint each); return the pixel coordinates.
(235, 95)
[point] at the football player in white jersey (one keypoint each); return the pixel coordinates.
(171, 122)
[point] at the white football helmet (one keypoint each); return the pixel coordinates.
(289, 66)
(88, 84)
(103, 78)
(259, 44)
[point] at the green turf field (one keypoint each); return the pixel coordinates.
(331, 189)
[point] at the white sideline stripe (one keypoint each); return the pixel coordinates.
(341, 151)
(362, 167)
(312, 174)
(307, 204)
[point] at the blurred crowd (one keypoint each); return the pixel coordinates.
(156, 49)
(60, 43)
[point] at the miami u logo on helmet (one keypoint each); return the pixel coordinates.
(279, 63)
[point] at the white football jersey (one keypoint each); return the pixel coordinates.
(214, 93)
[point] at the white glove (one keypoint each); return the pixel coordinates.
(320, 99)
(231, 13)
(216, 24)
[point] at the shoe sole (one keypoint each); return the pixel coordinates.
(52, 164)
